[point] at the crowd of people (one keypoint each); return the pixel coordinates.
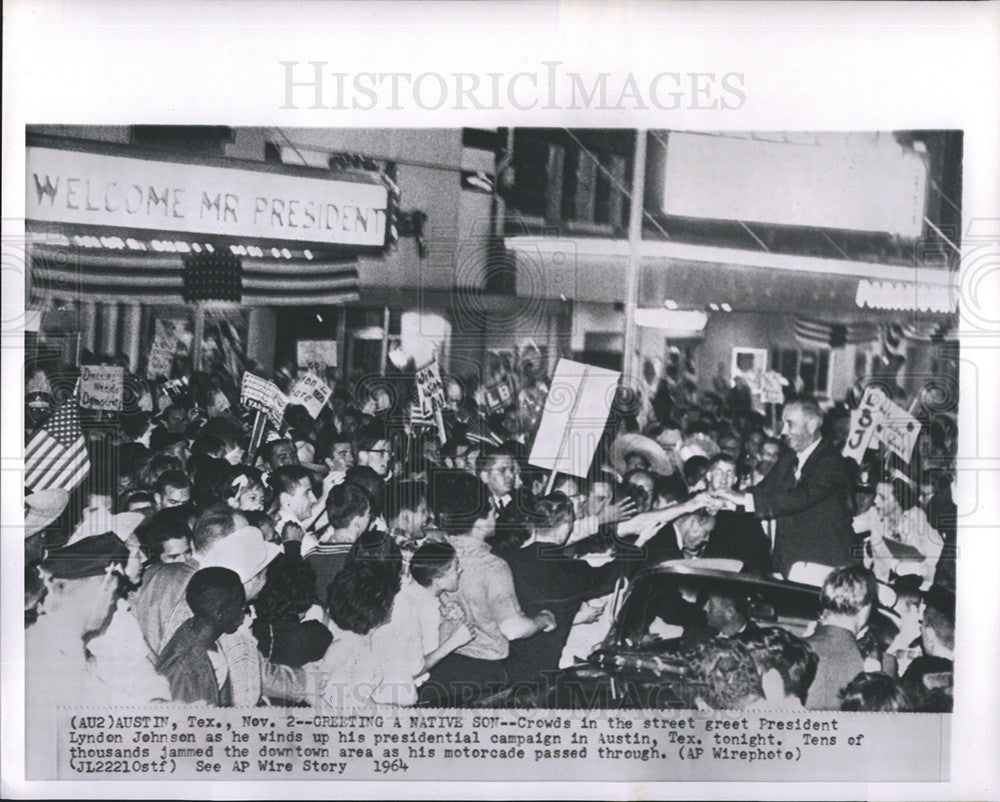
(360, 558)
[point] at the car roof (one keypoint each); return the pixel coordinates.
(693, 570)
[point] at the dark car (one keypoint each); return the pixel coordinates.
(639, 663)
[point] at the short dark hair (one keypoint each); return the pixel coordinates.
(374, 547)
(551, 511)
(452, 445)
(904, 492)
(369, 435)
(162, 439)
(789, 655)
(490, 455)
(158, 529)
(429, 561)
(720, 457)
(694, 469)
(360, 597)
(460, 499)
(874, 692)
(939, 614)
(210, 588)
(267, 451)
(847, 590)
(173, 478)
(724, 674)
(364, 476)
(671, 488)
(157, 465)
(346, 502)
(285, 478)
(407, 494)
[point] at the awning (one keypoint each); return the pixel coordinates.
(104, 275)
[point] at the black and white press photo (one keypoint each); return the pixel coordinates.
(491, 418)
(499, 399)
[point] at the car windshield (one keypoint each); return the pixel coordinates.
(664, 605)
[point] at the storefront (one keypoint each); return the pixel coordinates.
(718, 312)
(125, 245)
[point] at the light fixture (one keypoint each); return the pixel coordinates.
(670, 303)
(714, 307)
(888, 295)
(727, 308)
(675, 320)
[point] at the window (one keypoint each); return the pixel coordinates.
(807, 370)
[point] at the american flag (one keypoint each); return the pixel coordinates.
(56, 455)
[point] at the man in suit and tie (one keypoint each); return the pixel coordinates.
(806, 493)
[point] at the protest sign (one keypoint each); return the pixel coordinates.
(576, 410)
(259, 394)
(311, 392)
(102, 387)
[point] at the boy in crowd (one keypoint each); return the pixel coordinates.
(191, 660)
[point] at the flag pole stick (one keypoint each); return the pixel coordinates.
(259, 424)
(552, 481)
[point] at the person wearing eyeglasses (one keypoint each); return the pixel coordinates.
(371, 445)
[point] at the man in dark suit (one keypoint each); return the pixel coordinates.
(806, 493)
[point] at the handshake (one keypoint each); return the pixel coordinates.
(714, 500)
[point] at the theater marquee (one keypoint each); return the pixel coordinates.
(95, 189)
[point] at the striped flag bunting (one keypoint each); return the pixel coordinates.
(159, 278)
(56, 455)
(813, 331)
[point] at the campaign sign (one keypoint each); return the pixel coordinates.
(264, 396)
(500, 396)
(317, 355)
(899, 430)
(429, 384)
(771, 385)
(102, 387)
(864, 419)
(576, 411)
(311, 392)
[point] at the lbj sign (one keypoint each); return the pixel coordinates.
(877, 415)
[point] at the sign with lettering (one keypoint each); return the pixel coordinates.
(898, 429)
(311, 392)
(102, 387)
(263, 396)
(161, 355)
(96, 189)
(877, 416)
(771, 385)
(576, 410)
(429, 385)
(500, 396)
